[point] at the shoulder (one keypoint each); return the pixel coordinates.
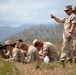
(72, 16)
(31, 48)
(15, 49)
(48, 43)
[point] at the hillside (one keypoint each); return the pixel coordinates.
(42, 32)
(7, 31)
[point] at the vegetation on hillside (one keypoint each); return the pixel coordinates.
(7, 68)
(52, 33)
(36, 68)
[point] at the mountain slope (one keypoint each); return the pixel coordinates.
(7, 31)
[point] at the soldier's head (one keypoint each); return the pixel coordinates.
(68, 9)
(74, 10)
(8, 45)
(38, 44)
(23, 46)
(18, 42)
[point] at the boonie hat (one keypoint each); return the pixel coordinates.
(67, 7)
(8, 42)
(74, 8)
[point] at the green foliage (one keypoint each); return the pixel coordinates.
(40, 68)
(42, 32)
(57, 43)
(7, 68)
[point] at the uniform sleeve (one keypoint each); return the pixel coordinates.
(62, 20)
(14, 55)
(45, 49)
(36, 55)
(30, 56)
(8, 53)
(73, 19)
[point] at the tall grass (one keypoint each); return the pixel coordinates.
(36, 68)
(7, 68)
(54, 68)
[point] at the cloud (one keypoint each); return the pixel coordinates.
(18, 12)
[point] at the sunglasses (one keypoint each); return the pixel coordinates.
(66, 10)
(74, 11)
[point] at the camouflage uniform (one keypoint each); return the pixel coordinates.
(8, 54)
(74, 46)
(24, 52)
(23, 55)
(67, 42)
(50, 50)
(16, 55)
(33, 54)
(74, 40)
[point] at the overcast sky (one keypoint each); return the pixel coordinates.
(19, 12)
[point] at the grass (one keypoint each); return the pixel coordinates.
(7, 68)
(37, 68)
(40, 68)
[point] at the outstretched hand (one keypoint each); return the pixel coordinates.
(52, 16)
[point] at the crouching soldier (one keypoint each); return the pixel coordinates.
(13, 53)
(50, 50)
(33, 52)
(23, 49)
